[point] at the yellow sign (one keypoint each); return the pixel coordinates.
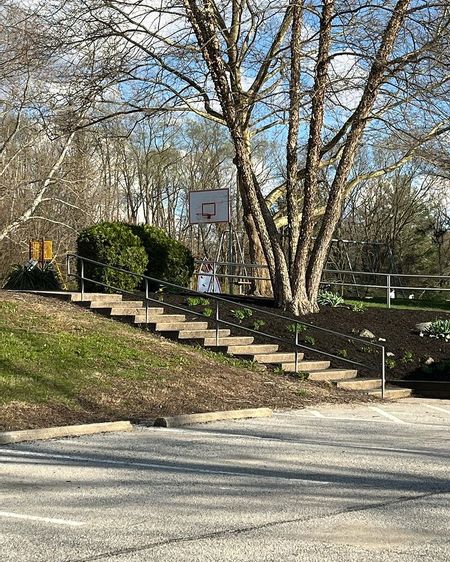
(41, 250)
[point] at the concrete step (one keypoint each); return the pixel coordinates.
(202, 334)
(277, 358)
(391, 393)
(360, 384)
(229, 341)
(256, 349)
(306, 366)
(113, 304)
(153, 312)
(178, 326)
(158, 318)
(333, 375)
(89, 297)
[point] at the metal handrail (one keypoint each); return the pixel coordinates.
(388, 287)
(219, 321)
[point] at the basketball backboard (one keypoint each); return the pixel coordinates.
(209, 206)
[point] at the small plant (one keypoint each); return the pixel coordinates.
(296, 328)
(408, 357)
(343, 353)
(278, 371)
(367, 349)
(160, 294)
(302, 392)
(302, 375)
(328, 298)
(390, 363)
(33, 278)
(358, 307)
(208, 311)
(258, 324)
(242, 314)
(310, 340)
(440, 328)
(197, 301)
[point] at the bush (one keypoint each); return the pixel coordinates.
(111, 243)
(440, 328)
(168, 259)
(35, 279)
(328, 298)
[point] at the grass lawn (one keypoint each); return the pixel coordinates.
(403, 304)
(60, 364)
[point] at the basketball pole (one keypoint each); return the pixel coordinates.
(230, 256)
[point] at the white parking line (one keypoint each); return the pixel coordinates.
(16, 454)
(438, 409)
(68, 522)
(387, 415)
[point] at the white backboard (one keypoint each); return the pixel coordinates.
(209, 206)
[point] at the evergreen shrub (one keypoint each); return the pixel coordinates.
(111, 243)
(168, 259)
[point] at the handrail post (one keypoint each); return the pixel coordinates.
(383, 371)
(217, 323)
(388, 290)
(296, 348)
(146, 299)
(82, 279)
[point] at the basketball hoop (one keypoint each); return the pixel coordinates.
(209, 206)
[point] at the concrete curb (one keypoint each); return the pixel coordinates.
(7, 437)
(187, 419)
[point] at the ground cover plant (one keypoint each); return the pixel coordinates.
(61, 364)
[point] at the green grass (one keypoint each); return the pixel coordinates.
(49, 357)
(403, 304)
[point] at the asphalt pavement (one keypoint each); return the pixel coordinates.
(334, 483)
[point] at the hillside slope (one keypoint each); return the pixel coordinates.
(61, 364)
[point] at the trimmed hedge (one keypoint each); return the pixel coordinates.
(168, 259)
(111, 243)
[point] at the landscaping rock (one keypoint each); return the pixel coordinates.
(367, 334)
(429, 361)
(390, 354)
(423, 327)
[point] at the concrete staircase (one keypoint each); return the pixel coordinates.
(189, 331)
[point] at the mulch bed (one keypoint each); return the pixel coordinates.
(395, 326)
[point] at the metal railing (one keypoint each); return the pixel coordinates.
(219, 320)
(391, 280)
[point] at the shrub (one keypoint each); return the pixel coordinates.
(22, 277)
(168, 259)
(114, 244)
(208, 311)
(328, 298)
(242, 314)
(358, 307)
(391, 363)
(197, 301)
(258, 324)
(439, 328)
(296, 328)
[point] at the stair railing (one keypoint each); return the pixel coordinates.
(80, 275)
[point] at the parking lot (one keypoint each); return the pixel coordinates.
(365, 482)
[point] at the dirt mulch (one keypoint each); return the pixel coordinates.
(396, 327)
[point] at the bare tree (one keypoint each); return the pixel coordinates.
(335, 74)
